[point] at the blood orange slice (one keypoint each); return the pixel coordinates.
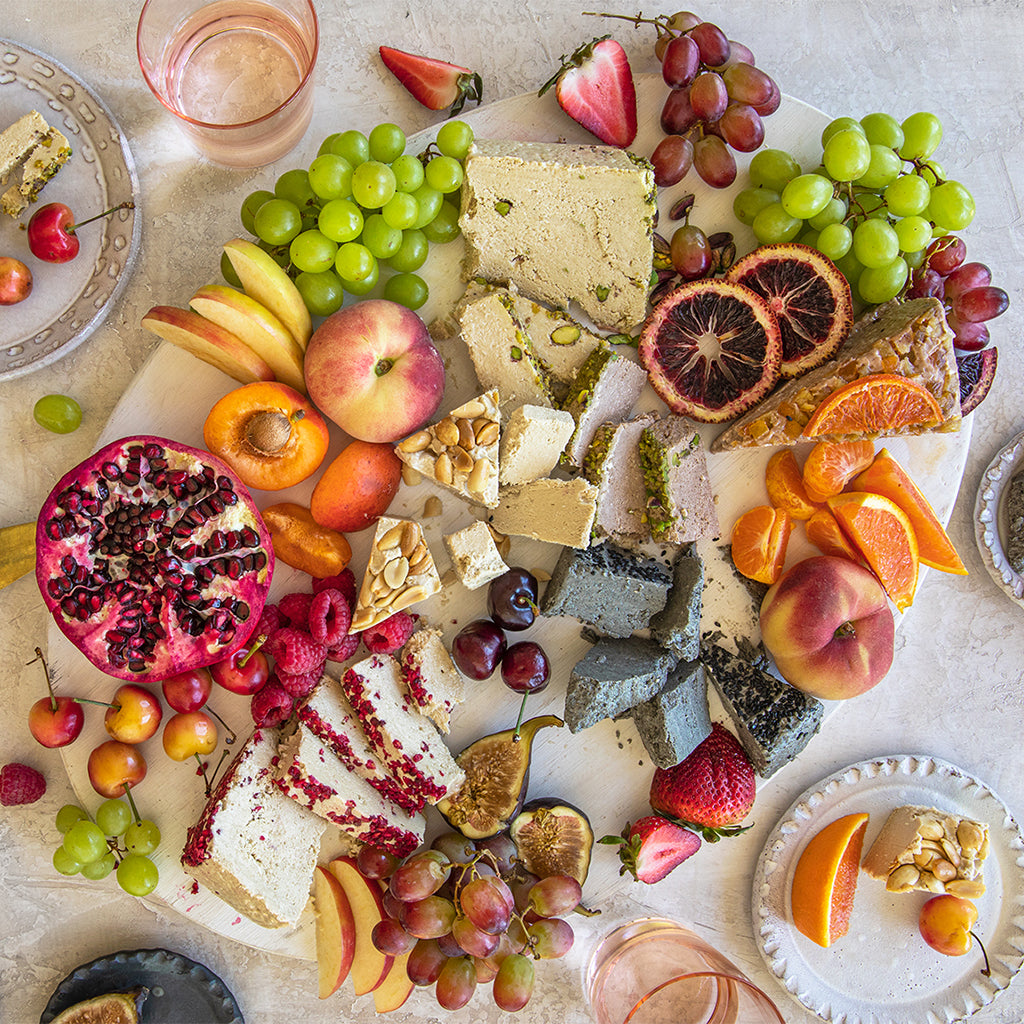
(809, 297)
(712, 350)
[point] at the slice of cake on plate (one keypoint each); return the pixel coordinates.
(460, 451)
(252, 846)
(532, 443)
(408, 743)
(475, 557)
(555, 511)
(563, 223)
(434, 683)
(911, 339)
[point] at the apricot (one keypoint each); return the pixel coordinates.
(356, 489)
(268, 433)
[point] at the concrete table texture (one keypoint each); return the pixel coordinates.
(954, 689)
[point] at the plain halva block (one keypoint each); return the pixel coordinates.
(673, 723)
(677, 625)
(775, 721)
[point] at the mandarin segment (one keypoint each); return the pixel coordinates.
(831, 465)
(877, 404)
(759, 542)
(785, 486)
(826, 535)
(825, 879)
(887, 477)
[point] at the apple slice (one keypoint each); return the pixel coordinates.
(396, 988)
(335, 932)
(370, 966)
(207, 341)
(266, 282)
(256, 326)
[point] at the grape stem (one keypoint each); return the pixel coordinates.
(660, 22)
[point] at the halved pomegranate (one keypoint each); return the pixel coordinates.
(711, 349)
(152, 558)
(809, 297)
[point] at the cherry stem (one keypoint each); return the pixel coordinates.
(519, 720)
(46, 674)
(128, 204)
(233, 735)
(987, 970)
(131, 802)
(209, 781)
(260, 641)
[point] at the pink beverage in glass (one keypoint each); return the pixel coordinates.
(237, 73)
(654, 971)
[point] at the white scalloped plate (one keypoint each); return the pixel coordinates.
(991, 520)
(881, 971)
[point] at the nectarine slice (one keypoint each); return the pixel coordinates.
(369, 965)
(335, 932)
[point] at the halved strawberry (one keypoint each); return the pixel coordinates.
(652, 846)
(594, 86)
(435, 83)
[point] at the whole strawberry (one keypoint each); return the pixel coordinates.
(652, 847)
(20, 784)
(712, 790)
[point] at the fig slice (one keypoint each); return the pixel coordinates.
(553, 837)
(497, 770)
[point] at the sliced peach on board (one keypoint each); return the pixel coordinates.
(825, 534)
(369, 965)
(831, 465)
(786, 488)
(887, 477)
(759, 541)
(396, 988)
(335, 932)
(876, 404)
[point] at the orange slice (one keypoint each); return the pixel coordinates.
(825, 879)
(825, 534)
(887, 477)
(786, 486)
(759, 541)
(876, 404)
(832, 465)
(882, 533)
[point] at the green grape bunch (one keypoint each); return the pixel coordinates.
(875, 203)
(363, 214)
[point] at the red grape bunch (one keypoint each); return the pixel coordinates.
(468, 914)
(716, 103)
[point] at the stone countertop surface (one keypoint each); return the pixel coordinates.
(954, 690)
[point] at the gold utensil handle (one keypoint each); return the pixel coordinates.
(17, 552)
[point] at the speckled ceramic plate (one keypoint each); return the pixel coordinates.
(179, 989)
(991, 522)
(70, 300)
(881, 971)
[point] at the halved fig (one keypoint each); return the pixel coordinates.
(712, 350)
(808, 295)
(977, 370)
(110, 1008)
(553, 837)
(497, 771)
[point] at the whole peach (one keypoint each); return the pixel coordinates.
(828, 625)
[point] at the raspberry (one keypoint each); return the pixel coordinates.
(345, 649)
(272, 705)
(295, 608)
(270, 621)
(295, 651)
(20, 784)
(389, 636)
(345, 581)
(299, 686)
(329, 617)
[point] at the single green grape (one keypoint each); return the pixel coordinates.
(278, 253)
(883, 168)
(85, 842)
(833, 213)
(882, 130)
(850, 267)
(400, 211)
(445, 226)
(113, 817)
(228, 272)
(880, 284)
(454, 139)
(313, 252)
(809, 238)
(840, 124)
(916, 259)
(68, 815)
(354, 262)
(914, 233)
(367, 284)
(932, 172)
(99, 868)
(749, 202)
(142, 837)
(322, 293)
(137, 875)
(408, 171)
(250, 204)
(325, 146)
(330, 176)
(834, 241)
(806, 195)
(340, 220)
(875, 244)
(847, 154)
(387, 142)
(278, 221)
(412, 253)
(354, 146)
(772, 169)
(445, 174)
(64, 863)
(429, 200)
(907, 195)
(922, 133)
(58, 413)
(409, 290)
(951, 205)
(773, 224)
(373, 184)
(380, 238)
(294, 186)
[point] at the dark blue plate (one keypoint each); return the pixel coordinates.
(179, 989)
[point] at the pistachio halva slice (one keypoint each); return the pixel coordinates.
(927, 850)
(460, 451)
(400, 572)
